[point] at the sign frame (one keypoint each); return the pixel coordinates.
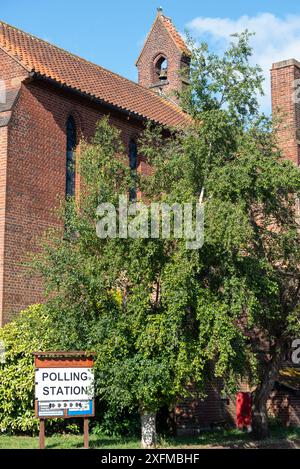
(66, 360)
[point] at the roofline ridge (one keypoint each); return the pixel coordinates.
(19, 30)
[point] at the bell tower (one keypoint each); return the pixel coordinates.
(164, 60)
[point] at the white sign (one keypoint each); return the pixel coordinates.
(64, 384)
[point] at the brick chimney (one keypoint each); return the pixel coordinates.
(285, 86)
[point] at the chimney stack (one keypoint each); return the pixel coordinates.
(285, 89)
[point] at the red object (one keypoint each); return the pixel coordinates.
(243, 409)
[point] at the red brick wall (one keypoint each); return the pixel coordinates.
(36, 176)
(160, 43)
(3, 154)
(11, 73)
(195, 414)
(285, 406)
(283, 76)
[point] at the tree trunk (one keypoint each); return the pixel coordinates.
(260, 428)
(148, 423)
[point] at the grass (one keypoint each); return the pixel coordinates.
(62, 441)
(233, 438)
(228, 438)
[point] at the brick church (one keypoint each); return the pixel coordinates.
(54, 98)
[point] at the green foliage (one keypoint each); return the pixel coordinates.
(225, 82)
(113, 421)
(247, 276)
(32, 331)
(73, 428)
(155, 312)
(102, 292)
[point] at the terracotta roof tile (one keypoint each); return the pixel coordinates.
(77, 73)
(175, 35)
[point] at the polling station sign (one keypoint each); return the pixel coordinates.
(64, 385)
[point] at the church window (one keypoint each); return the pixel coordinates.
(70, 157)
(133, 162)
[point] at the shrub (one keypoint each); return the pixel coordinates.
(34, 330)
(115, 422)
(31, 331)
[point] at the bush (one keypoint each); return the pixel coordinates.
(31, 331)
(115, 422)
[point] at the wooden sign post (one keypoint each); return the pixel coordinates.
(86, 432)
(42, 434)
(64, 388)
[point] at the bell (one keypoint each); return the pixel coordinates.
(163, 75)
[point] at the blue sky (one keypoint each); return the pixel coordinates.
(111, 33)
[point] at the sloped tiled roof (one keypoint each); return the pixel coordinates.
(92, 80)
(175, 35)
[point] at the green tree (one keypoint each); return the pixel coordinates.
(156, 312)
(249, 306)
(127, 299)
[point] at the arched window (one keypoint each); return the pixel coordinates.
(70, 163)
(133, 162)
(161, 69)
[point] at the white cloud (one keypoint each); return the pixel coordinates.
(275, 39)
